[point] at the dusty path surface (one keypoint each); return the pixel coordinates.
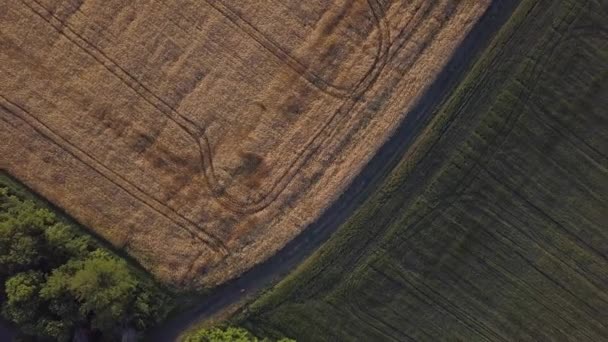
(271, 271)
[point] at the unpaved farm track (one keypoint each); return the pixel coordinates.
(202, 137)
(260, 277)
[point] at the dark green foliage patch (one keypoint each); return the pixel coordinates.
(59, 281)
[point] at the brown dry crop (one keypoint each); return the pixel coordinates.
(202, 136)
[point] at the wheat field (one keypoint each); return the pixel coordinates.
(202, 136)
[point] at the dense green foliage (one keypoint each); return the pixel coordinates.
(57, 280)
(228, 334)
(494, 226)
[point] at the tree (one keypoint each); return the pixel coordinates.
(66, 243)
(25, 307)
(228, 334)
(21, 227)
(101, 284)
(58, 280)
(22, 296)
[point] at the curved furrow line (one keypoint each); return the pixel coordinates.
(284, 56)
(197, 133)
(311, 151)
(306, 152)
(184, 223)
(139, 89)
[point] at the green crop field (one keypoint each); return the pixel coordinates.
(495, 225)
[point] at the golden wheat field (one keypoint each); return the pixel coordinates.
(202, 136)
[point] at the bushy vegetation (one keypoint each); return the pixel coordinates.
(227, 334)
(494, 226)
(59, 282)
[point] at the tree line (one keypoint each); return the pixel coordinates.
(59, 283)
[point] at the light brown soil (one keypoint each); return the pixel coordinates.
(201, 136)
